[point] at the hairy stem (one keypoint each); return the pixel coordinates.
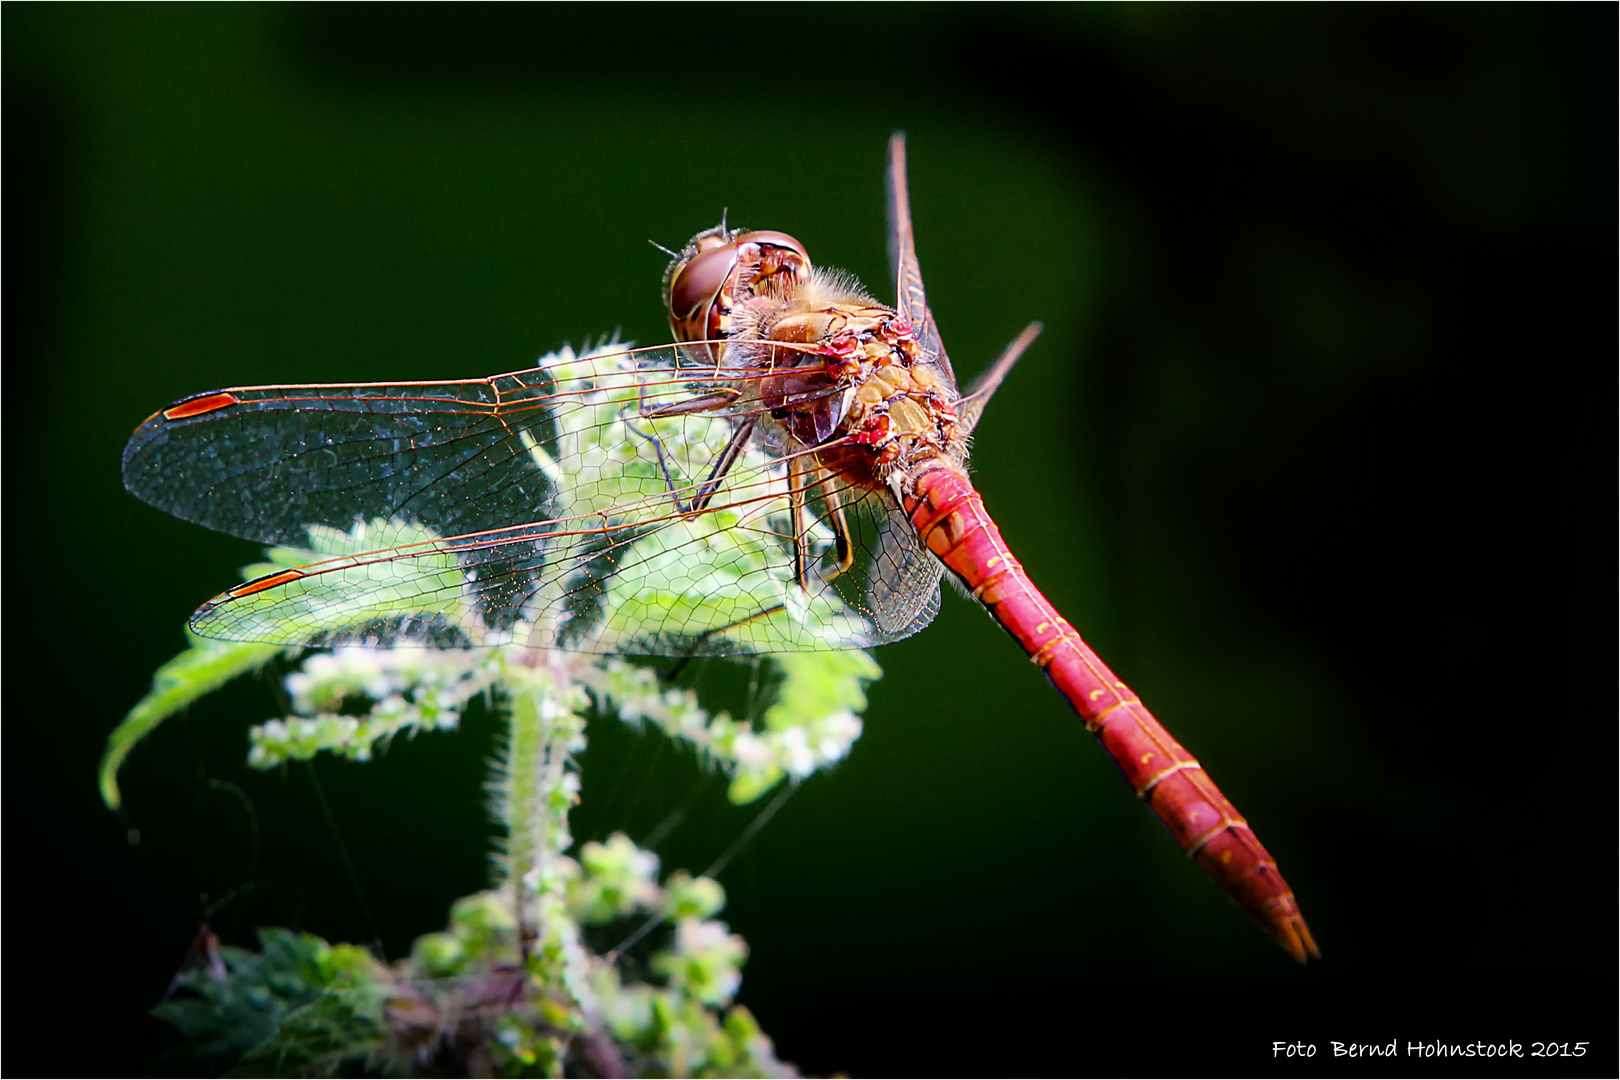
(535, 793)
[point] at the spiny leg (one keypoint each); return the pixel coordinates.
(734, 448)
(839, 524)
(722, 465)
(801, 533)
(802, 476)
(715, 399)
(663, 463)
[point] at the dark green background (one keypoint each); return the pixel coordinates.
(1318, 450)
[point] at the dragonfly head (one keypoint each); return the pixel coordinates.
(721, 270)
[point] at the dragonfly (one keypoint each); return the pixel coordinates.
(790, 473)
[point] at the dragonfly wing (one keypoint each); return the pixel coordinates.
(599, 464)
(892, 581)
(423, 589)
(636, 579)
(971, 407)
(911, 299)
(268, 463)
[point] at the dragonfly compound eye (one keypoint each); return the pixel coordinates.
(694, 287)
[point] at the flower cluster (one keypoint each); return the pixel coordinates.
(812, 723)
(391, 691)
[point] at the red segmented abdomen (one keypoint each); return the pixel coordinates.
(950, 517)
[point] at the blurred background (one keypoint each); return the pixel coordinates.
(1318, 451)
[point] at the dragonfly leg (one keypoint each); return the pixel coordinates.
(840, 528)
(663, 464)
(802, 476)
(704, 494)
(722, 464)
(797, 471)
(717, 399)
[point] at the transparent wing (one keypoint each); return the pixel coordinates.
(911, 299)
(267, 462)
(629, 501)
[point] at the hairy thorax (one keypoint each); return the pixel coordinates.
(841, 372)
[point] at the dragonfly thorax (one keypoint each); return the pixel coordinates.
(875, 400)
(846, 373)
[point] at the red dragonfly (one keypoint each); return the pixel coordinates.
(790, 475)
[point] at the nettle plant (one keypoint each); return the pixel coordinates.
(511, 986)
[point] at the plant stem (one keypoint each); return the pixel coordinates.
(536, 793)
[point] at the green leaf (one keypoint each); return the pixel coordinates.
(687, 897)
(750, 784)
(231, 1006)
(314, 1039)
(204, 667)
(817, 685)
